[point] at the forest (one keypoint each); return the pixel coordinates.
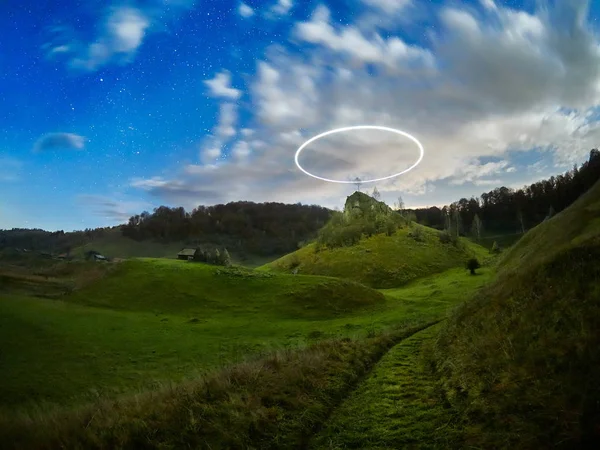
(505, 210)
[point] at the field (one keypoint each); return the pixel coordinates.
(154, 321)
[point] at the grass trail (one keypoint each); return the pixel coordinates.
(395, 407)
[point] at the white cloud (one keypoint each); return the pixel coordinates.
(247, 132)
(484, 89)
(389, 6)
(282, 7)
(121, 36)
(220, 86)
(474, 172)
(223, 131)
(121, 32)
(245, 10)
(349, 40)
(227, 121)
(241, 150)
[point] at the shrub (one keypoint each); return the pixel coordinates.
(495, 248)
(417, 234)
(473, 265)
(225, 258)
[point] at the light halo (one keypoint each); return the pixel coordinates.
(359, 127)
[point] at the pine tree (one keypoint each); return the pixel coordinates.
(376, 195)
(226, 259)
(476, 228)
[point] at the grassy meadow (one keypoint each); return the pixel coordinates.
(155, 321)
(390, 343)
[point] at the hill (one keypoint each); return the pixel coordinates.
(572, 226)
(382, 261)
(179, 287)
(521, 361)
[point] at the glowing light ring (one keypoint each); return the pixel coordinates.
(360, 127)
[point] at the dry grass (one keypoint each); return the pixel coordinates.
(277, 401)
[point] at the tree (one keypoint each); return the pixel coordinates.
(226, 258)
(217, 257)
(376, 195)
(399, 205)
(495, 248)
(521, 221)
(476, 228)
(473, 265)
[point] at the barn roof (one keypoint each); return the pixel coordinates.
(187, 252)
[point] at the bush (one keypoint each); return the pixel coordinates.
(448, 238)
(495, 248)
(473, 265)
(225, 258)
(417, 234)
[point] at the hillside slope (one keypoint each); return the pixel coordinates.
(522, 359)
(180, 287)
(572, 226)
(382, 261)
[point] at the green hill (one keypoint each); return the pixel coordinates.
(522, 359)
(382, 261)
(202, 290)
(572, 226)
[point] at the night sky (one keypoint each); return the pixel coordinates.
(111, 108)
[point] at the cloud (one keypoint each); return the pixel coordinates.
(223, 131)
(10, 169)
(117, 211)
(220, 86)
(227, 120)
(349, 40)
(245, 10)
(282, 7)
(59, 141)
(389, 6)
(121, 32)
(484, 88)
(474, 172)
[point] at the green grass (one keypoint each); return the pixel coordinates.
(382, 261)
(575, 224)
(155, 321)
(208, 292)
(505, 240)
(276, 402)
(397, 406)
(520, 362)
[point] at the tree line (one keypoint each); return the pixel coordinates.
(505, 210)
(277, 228)
(257, 228)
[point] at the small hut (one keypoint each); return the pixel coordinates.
(187, 254)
